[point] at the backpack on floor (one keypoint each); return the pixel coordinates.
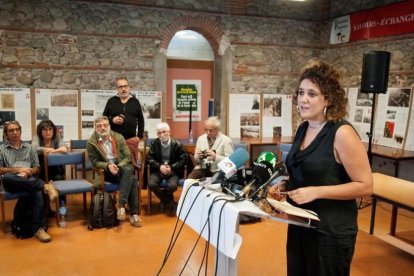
(102, 212)
(22, 224)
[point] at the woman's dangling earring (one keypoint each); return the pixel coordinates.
(324, 111)
(297, 108)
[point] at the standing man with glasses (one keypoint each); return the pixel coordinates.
(167, 159)
(211, 148)
(125, 116)
(19, 167)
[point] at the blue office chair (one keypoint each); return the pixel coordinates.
(111, 187)
(80, 145)
(69, 186)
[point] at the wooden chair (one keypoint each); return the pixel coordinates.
(69, 186)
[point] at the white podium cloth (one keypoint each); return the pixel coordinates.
(229, 238)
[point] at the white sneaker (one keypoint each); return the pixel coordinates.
(121, 215)
(135, 221)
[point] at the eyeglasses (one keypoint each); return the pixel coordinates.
(123, 86)
(162, 132)
(10, 130)
(210, 129)
(101, 125)
(47, 129)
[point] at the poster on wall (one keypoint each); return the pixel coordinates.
(151, 107)
(186, 95)
(15, 106)
(391, 118)
(92, 105)
(360, 108)
(244, 116)
(60, 106)
(277, 115)
(409, 142)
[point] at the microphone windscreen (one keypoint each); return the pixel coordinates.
(268, 156)
(239, 157)
(262, 172)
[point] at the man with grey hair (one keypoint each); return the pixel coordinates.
(167, 159)
(108, 151)
(211, 148)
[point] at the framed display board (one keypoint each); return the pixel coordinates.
(16, 106)
(392, 127)
(277, 115)
(244, 115)
(61, 106)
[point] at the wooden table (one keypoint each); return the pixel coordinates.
(394, 154)
(398, 192)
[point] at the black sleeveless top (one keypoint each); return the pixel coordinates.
(316, 166)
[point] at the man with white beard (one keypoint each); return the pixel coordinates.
(108, 150)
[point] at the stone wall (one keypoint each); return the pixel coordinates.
(85, 45)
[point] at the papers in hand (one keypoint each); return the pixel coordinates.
(287, 208)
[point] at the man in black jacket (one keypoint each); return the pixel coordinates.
(125, 116)
(167, 159)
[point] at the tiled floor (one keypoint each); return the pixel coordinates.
(126, 250)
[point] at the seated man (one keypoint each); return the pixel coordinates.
(211, 148)
(166, 158)
(19, 165)
(108, 150)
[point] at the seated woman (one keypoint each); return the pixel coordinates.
(49, 141)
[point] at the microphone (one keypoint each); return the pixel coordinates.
(280, 170)
(261, 173)
(229, 165)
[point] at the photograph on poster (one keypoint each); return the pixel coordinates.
(6, 116)
(358, 115)
(256, 104)
(87, 124)
(60, 131)
(64, 98)
(151, 107)
(272, 106)
(249, 119)
(87, 112)
(42, 113)
(249, 132)
(364, 99)
(7, 101)
(277, 131)
(389, 129)
(399, 97)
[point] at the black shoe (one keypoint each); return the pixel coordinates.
(162, 206)
(173, 206)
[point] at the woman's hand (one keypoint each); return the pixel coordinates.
(276, 190)
(304, 195)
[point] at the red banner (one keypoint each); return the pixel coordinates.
(389, 20)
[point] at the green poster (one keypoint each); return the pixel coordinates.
(186, 93)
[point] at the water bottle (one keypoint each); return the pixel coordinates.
(62, 214)
(190, 137)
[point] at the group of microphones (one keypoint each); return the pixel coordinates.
(248, 182)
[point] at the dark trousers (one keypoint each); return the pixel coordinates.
(128, 187)
(199, 173)
(34, 187)
(312, 253)
(163, 192)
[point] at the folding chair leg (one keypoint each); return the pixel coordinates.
(84, 201)
(57, 204)
(3, 216)
(149, 200)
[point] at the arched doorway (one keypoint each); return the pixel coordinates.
(190, 79)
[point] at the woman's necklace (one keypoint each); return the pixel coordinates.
(316, 126)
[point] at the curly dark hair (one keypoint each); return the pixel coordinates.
(46, 124)
(327, 79)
